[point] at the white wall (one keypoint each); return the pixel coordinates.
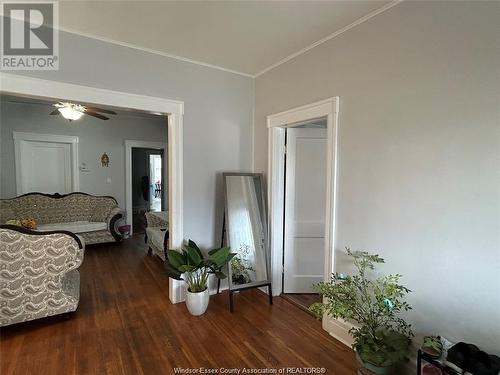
(419, 143)
(95, 137)
(217, 120)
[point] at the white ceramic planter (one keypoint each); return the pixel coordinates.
(197, 303)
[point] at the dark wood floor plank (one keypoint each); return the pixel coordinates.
(125, 324)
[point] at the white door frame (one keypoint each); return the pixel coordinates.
(277, 124)
(174, 109)
(129, 145)
(36, 137)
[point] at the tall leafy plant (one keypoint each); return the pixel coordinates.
(195, 266)
(383, 337)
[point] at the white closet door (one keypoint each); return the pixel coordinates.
(45, 167)
(305, 200)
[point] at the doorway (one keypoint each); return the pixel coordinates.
(45, 163)
(157, 184)
(139, 189)
(304, 213)
(147, 185)
(173, 109)
(277, 129)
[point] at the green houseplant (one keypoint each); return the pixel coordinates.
(192, 266)
(382, 337)
(241, 267)
(433, 346)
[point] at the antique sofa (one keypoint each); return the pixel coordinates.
(38, 273)
(91, 217)
(157, 232)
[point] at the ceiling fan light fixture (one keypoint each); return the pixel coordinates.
(72, 111)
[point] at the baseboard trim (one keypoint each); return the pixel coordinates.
(339, 329)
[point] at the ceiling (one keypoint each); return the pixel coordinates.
(243, 36)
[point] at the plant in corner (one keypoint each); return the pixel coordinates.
(196, 268)
(241, 267)
(382, 337)
(433, 346)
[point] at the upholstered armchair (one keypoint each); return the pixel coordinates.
(157, 232)
(38, 273)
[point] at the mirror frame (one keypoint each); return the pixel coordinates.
(254, 284)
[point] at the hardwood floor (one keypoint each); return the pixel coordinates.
(125, 324)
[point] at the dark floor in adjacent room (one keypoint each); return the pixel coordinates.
(139, 223)
(125, 324)
(302, 300)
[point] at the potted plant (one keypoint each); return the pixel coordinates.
(241, 266)
(382, 337)
(433, 346)
(194, 268)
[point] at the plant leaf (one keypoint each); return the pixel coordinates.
(220, 257)
(175, 258)
(187, 268)
(193, 256)
(172, 272)
(193, 245)
(213, 250)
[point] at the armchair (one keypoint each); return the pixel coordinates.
(38, 273)
(157, 232)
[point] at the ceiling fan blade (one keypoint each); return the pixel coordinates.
(55, 112)
(97, 115)
(95, 109)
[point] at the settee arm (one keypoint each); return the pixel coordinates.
(155, 221)
(114, 215)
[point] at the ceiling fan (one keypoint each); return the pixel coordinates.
(72, 111)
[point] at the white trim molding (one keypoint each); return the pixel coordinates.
(36, 137)
(339, 329)
(39, 88)
(129, 145)
(277, 124)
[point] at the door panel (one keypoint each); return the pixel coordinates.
(305, 199)
(45, 167)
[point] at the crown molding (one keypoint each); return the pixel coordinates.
(227, 70)
(155, 52)
(331, 36)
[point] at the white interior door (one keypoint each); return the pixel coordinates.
(45, 167)
(305, 200)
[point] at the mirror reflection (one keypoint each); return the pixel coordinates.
(247, 229)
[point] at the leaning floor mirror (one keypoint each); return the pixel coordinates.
(246, 233)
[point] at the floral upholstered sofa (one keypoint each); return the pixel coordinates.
(93, 218)
(38, 273)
